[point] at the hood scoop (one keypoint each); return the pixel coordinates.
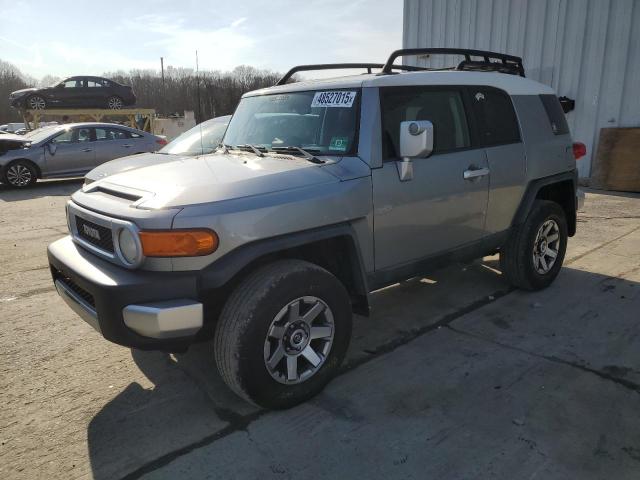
(132, 196)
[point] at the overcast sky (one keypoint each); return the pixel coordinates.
(62, 38)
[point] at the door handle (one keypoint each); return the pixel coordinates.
(475, 173)
(127, 145)
(87, 149)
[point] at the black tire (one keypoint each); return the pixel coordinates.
(517, 255)
(20, 174)
(35, 102)
(114, 103)
(245, 321)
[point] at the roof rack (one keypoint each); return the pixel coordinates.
(508, 63)
(341, 66)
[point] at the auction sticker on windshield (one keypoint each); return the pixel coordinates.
(338, 98)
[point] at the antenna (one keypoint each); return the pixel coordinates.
(199, 113)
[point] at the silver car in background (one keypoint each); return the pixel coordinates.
(202, 139)
(69, 150)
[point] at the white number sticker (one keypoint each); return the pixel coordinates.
(338, 98)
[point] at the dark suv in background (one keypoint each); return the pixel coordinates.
(96, 92)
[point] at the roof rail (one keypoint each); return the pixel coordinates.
(508, 63)
(340, 66)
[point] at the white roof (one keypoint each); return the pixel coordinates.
(512, 84)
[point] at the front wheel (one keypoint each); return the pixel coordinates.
(36, 102)
(20, 174)
(283, 333)
(533, 255)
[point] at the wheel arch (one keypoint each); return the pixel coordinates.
(560, 188)
(334, 248)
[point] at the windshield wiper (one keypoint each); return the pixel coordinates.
(307, 155)
(253, 148)
(225, 148)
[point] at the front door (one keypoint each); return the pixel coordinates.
(67, 93)
(444, 205)
(73, 153)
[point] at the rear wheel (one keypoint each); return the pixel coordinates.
(20, 174)
(36, 102)
(533, 255)
(283, 333)
(114, 103)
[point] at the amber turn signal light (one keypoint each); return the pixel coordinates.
(178, 243)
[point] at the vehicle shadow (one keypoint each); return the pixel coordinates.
(189, 404)
(42, 188)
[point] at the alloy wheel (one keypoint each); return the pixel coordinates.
(299, 340)
(37, 103)
(546, 246)
(19, 175)
(114, 103)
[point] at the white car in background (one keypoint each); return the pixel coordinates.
(199, 140)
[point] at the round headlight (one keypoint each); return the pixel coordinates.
(128, 245)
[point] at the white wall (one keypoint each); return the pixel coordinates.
(588, 50)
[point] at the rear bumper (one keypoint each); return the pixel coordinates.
(146, 310)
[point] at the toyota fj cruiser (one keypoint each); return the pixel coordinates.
(321, 192)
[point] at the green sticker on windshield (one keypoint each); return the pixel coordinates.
(339, 144)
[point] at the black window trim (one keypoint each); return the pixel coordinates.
(466, 104)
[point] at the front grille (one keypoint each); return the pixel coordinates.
(74, 287)
(95, 234)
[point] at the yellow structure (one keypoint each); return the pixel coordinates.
(141, 118)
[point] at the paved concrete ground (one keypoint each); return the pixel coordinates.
(454, 376)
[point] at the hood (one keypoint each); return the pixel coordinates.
(128, 163)
(23, 91)
(12, 137)
(217, 177)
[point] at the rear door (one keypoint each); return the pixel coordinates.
(113, 142)
(96, 93)
(441, 208)
(499, 134)
(74, 152)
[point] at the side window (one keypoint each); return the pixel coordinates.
(73, 84)
(64, 137)
(94, 83)
(444, 108)
(495, 116)
(81, 135)
(111, 134)
(555, 114)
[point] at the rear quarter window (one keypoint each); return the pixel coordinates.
(495, 116)
(556, 117)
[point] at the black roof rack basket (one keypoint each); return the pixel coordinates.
(505, 64)
(341, 66)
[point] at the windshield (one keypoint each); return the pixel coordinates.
(40, 134)
(324, 122)
(199, 140)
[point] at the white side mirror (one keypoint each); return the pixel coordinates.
(52, 146)
(416, 141)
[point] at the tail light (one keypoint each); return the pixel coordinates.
(579, 150)
(163, 141)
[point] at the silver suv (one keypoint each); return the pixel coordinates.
(322, 192)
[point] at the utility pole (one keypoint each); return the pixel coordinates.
(164, 91)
